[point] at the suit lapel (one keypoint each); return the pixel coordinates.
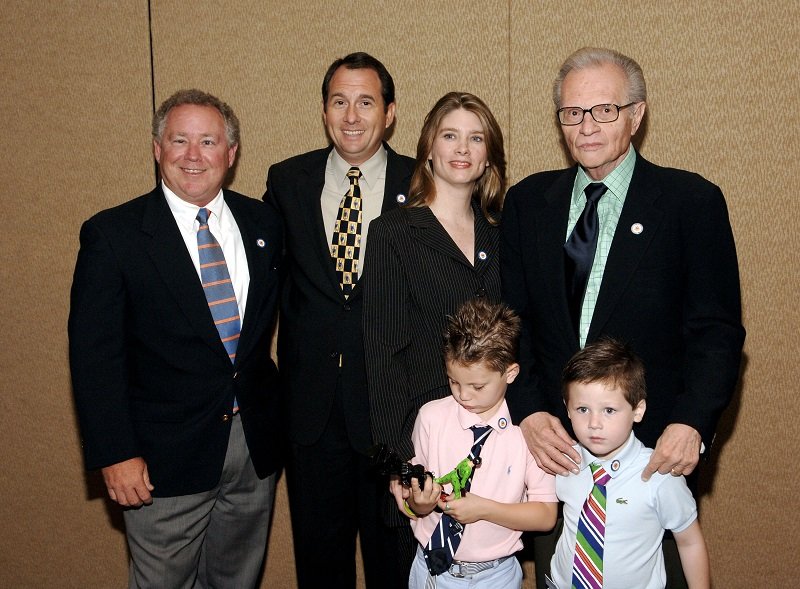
(627, 247)
(398, 177)
(258, 266)
(551, 231)
(168, 251)
(310, 184)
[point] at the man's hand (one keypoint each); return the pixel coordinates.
(550, 444)
(128, 482)
(677, 452)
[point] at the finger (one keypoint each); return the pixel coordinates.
(554, 461)
(650, 469)
(146, 476)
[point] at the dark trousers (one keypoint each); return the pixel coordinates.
(333, 496)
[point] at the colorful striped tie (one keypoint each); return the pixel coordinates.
(587, 567)
(441, 548)
(218, 286)
(346, 241)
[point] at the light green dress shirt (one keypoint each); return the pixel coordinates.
(609, 208)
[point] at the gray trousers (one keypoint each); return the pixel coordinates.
(207, 540)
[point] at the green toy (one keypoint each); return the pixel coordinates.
(459, 476)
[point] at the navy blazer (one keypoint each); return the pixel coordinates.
(671, 290)
(319, 334)
(150, 375)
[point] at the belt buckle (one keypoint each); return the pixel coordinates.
(456, 571)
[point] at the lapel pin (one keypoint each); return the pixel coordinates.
(482, 255)
(260, 242)
(502, 423)
(401, 198)
(615, 465)
(637, 228)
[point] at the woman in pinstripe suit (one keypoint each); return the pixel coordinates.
(423, 261)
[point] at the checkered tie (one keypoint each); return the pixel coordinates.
(444, 542)
(217, 286)
(587, 566)
(346, 241)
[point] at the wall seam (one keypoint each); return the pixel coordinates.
(152, 73)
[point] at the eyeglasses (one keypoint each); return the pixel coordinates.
(602, 113)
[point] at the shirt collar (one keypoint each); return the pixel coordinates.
(617, 463)
(186, 213)
(371, 170)
(617, 180)
(500, 421)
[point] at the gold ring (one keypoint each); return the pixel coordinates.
(673, 473)
(446, 506)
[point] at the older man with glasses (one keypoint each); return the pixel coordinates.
(617, 246)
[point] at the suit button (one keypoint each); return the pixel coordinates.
(235, 375)
(226, 417)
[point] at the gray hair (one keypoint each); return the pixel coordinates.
(589, 57)
(199, 98)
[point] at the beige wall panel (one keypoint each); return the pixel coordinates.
(723, 85)
(267, 59)
(75, 83)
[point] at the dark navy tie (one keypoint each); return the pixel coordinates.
(579, 252)
(446, 537)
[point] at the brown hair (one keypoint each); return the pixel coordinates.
(610, 362)
(199, 98)
(482, 332)
(360, 61)
(490, 189)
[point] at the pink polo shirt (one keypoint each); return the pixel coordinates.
(507, 474)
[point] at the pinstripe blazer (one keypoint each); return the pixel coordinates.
(414, 276)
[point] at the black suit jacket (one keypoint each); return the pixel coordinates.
(150, 375)
(319, 329)
(415, 276)
(671, 291)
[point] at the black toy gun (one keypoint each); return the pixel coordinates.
(386, 462)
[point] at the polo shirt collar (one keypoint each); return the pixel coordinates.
(500, 421)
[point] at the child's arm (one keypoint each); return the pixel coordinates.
(694, 556)
(533, 516)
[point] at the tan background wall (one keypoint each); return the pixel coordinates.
(76, 104)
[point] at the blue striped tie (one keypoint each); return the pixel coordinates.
(218, 286)
(446, 538)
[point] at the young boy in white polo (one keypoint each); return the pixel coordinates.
(614, 521)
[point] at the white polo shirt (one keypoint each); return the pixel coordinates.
(637, 513)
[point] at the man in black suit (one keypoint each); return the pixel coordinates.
(332, 494)
(663, 275)
(174, 387)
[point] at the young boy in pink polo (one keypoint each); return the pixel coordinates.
(614, 521)
(470, 541)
